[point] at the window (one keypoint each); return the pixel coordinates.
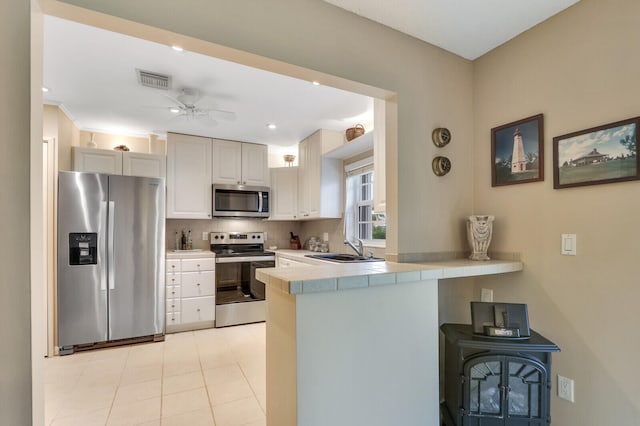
(361, 221)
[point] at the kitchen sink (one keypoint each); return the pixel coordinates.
(344, 258)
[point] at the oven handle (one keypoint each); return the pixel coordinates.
(240, 259)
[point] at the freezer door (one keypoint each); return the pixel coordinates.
(82, 278)
(136, 266)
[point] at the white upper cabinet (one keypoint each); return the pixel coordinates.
(118, 162)
(188, 177)
(97, 160)
(255, 164)
(320, 178)
(142, 164)
(226, 162)
(284, 193)
(239, 163)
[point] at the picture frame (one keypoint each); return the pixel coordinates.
(522, 140)
(599, 155)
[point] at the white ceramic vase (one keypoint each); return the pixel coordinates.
(479, 231)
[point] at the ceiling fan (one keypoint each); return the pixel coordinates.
(185, 105)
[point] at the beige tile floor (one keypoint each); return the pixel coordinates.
(206, 377)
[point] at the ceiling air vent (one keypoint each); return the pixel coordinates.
(153, 79)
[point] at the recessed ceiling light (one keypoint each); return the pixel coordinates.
(315, 83)
(177, 48)
(174, 110)
(45, 89)
(272, 126)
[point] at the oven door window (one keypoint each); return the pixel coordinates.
(236, 282)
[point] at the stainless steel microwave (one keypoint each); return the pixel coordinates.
(240, 201)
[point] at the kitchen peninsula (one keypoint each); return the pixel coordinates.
(357, 344)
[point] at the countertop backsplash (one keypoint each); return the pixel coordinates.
(277, 232)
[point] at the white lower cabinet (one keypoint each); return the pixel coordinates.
(290, 260)
(198, 309)
(190, 293)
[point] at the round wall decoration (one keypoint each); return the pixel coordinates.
(441, 137)
(441, 165)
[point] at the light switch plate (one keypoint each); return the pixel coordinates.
(565, 388)
(205, 236)
(569, 245)
(486, 295)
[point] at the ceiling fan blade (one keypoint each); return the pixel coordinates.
(225, 115)
(175, 101)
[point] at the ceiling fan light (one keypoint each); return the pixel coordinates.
(272, 126)
(174, 110)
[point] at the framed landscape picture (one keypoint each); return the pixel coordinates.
(602, 154)
(517, 152)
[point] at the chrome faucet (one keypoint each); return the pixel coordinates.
(359, 250)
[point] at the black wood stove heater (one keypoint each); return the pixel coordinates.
(491, 381)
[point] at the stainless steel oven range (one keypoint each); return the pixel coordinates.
(240, 298)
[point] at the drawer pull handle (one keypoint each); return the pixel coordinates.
(173, 292)
(198, 265)
(198, 283)
(198, 309)
(173, 266)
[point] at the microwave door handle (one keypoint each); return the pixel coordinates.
(260, 202)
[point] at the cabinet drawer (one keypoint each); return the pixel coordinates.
(205, 287)
(173, 292)
(205, 264)
(173, 318)
(173, 265)
(173, 278)
(198, 309)
(172, 305)
(198, 284)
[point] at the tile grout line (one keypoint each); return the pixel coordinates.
(206, 388)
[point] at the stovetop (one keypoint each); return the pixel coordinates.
(230, 244)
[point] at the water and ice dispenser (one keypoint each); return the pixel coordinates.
(83, 248)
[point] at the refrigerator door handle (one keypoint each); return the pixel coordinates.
(110, 246)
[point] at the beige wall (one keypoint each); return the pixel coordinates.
(15, 302)
(57, 125)
(109, 141)
(580, 69)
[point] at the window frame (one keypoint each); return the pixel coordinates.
(352, 209)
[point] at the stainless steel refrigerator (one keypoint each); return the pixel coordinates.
(111, 242)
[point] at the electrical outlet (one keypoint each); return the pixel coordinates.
(486, 295)
(565, 388)
(205, 236)
(325, 237)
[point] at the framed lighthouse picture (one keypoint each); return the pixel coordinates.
(517, 152)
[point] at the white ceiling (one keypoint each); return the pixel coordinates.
(91, 72)
(468, 28)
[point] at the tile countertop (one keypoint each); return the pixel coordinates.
(189, 254)
(331, 276)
